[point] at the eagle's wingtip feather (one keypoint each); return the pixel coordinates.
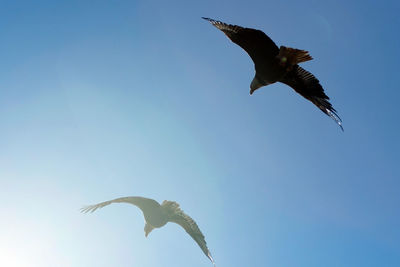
(335, 117)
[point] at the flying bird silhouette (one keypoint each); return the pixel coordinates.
(273, 64)
(157, 215)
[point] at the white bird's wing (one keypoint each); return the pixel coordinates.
(143, 203)
(176, 215)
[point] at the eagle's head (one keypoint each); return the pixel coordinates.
(255, 84)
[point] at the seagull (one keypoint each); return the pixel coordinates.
(273, 64)
(157, 216)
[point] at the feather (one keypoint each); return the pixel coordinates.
(186, 222)
(304, 83)
(141, 202)
(157, 215)
(273, 64)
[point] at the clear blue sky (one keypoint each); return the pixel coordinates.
(145, 98)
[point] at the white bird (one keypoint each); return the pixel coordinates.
(157, 215)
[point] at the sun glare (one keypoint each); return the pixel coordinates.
(27, 244)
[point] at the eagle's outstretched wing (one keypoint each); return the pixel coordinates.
(255, 42)
(177, 215)
(143, 203)
(304, 83)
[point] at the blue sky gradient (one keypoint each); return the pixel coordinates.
(122, 98)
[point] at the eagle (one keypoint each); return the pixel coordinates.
(157, 215)
(273, 64)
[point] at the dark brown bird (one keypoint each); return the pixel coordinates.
(157, 215)
(273, 64)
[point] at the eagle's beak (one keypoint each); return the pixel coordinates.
(255, 84)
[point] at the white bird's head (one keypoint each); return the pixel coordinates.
(147, 229)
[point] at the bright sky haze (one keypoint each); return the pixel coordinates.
(105, 99)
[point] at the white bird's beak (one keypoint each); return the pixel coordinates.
(147, 229)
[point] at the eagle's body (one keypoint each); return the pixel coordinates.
(157, 216)
(273, 64)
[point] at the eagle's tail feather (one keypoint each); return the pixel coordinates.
(293, 56)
